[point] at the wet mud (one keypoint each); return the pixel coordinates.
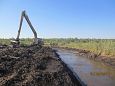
(32, 66)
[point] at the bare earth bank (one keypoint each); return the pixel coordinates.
(32, 66)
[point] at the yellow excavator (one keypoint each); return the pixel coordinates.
(36, 41)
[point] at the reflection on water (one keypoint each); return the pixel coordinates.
(102, 73)
(91, 72)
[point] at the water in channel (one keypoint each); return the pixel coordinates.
(90, 72)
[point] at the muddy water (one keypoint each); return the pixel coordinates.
(90, 72)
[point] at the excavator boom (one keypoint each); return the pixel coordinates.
(36, 40)
(24, 15)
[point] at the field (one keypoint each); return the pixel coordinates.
(105, 47)
(26, 41)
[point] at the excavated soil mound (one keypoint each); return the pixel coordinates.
(32, 66)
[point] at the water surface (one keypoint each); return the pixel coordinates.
(90, 72)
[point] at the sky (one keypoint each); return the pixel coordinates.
(59, 18)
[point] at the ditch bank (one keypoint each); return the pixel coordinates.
(85, 53)
(34, 66)
(75, 78)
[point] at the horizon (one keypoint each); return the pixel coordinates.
(68, 38)
(59, 19)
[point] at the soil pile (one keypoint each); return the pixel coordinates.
(32, 66)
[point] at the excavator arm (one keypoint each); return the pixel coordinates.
(24, 15)
(21, 20)
(36, 40)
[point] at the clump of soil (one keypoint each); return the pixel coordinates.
(31, 66)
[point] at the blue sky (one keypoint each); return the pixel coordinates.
(59, 18)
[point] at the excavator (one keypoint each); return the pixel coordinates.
(36, 41)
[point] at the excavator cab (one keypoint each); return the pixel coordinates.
(36, 41)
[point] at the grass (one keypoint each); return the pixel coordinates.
(4, 41)
(104, 47)
(24, 41)
(99, 46)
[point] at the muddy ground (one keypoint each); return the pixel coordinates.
(32, 66)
